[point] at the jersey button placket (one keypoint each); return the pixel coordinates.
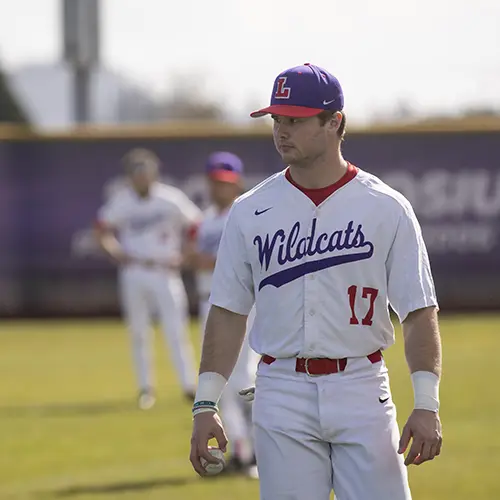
(310, 292)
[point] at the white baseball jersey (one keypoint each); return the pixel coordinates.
(207, 241)
(322, 276)
(152, 227)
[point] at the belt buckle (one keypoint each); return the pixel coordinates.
(306, 366)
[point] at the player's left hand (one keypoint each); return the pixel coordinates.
(424, 428)
(248, 394)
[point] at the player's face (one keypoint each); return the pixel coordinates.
(141, 179)
(300, 141)
(223, 193)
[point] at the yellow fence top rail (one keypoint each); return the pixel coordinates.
(190, 130)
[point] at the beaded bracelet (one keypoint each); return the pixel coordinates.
(204, 406)
(199, 404)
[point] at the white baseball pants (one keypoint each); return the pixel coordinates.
(315, 434)
(146, 293)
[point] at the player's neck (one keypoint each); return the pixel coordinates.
(323, 172)
(222, 207)
(143, 194)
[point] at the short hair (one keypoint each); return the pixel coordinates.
(140, 157)
(324, 116)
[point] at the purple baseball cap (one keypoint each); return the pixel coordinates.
(224, 166)
(302, 92)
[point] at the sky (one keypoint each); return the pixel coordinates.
(436, 55)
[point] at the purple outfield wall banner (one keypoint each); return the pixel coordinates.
(50, 191)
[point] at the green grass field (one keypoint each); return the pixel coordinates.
(70, 430)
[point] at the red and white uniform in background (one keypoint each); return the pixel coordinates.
(152, 229)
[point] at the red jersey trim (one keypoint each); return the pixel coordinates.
(319, 195)
(192, 231)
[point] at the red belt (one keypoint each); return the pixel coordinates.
(322, 366)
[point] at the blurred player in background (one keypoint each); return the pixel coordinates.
(142, 228)
(224, 173)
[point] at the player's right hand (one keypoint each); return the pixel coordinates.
(206, 426)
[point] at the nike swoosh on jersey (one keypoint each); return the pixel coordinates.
(292, 273)
(260, 212)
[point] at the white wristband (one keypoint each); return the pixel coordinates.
(210, 387)
(426, 390)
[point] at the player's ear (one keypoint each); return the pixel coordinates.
(331, 121)
(336, 120)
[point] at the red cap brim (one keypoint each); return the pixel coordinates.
(225, 176)
(284, 110)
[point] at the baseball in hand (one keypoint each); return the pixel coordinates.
(214, 469)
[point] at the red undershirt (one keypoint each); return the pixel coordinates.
(319, 195)
(192, 231)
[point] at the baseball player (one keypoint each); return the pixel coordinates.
(322, 248)
(224, 172)
(142, 229)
